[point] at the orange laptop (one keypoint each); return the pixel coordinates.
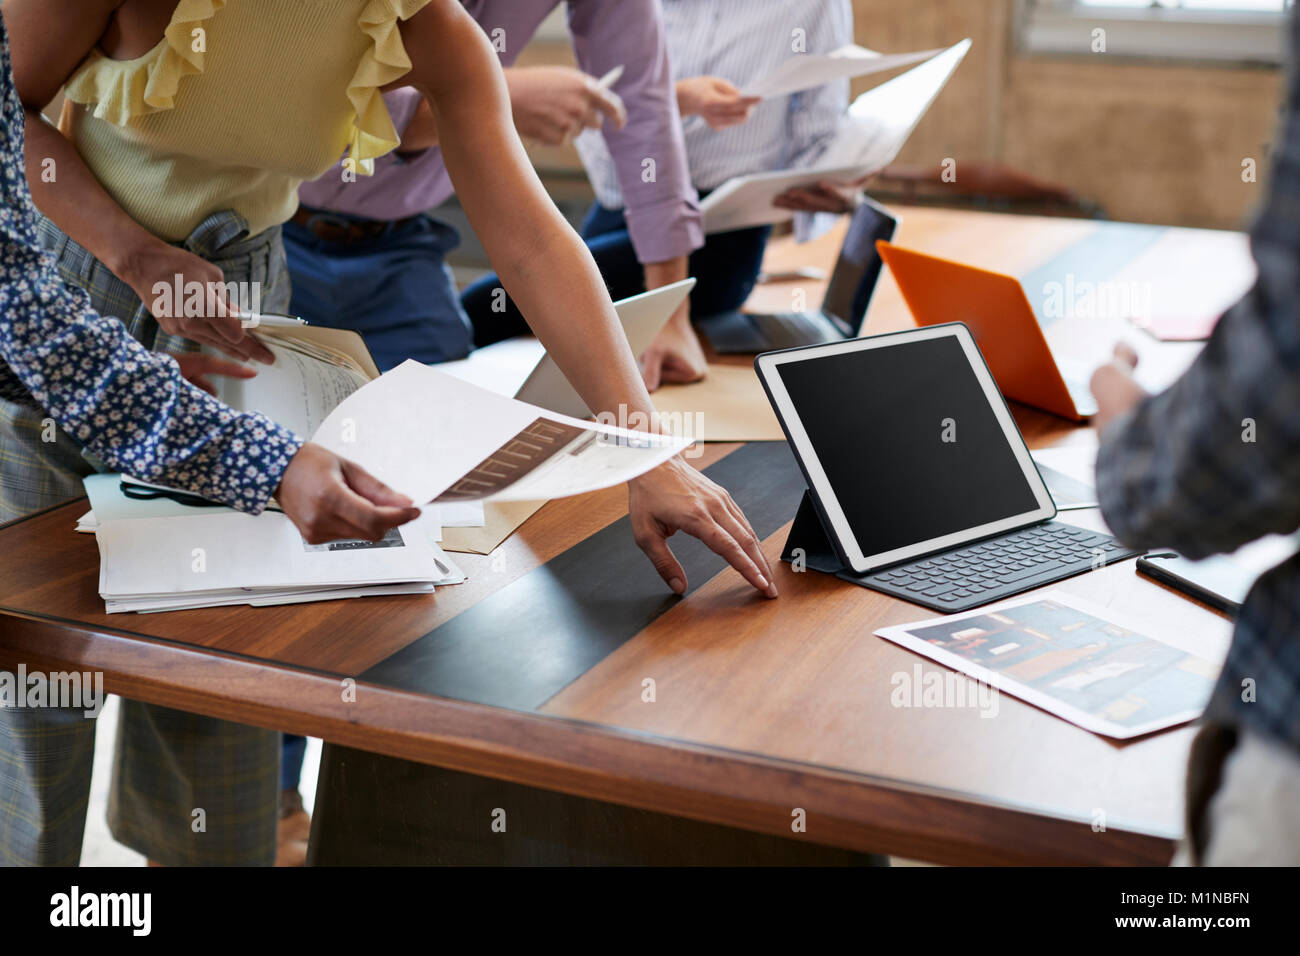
(1002, 321)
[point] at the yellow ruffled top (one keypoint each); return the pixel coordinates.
(124, 89)
(214, 70)
(384, 62)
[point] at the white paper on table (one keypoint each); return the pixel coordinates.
(460, 514)
(190, 602)
(803, 71)
(1205, 669)
(421, 431)
(1077, 460)
(501, 367)
(1189, 274)
(868, 137)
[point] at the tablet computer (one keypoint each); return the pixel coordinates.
(906, 443)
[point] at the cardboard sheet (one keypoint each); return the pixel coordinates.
(728, 405)
(501, 520)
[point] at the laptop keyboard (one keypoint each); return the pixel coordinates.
(786, 329)
(999, 567)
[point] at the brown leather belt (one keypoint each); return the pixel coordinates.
(331, 228)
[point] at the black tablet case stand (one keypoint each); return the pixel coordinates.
(808, 535)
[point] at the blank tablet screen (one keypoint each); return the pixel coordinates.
(918, 453)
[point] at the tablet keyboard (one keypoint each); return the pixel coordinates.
(998, 568)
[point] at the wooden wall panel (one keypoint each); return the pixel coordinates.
(1150, 141)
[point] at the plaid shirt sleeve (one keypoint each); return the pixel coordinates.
(128, 406)
(1214, 461)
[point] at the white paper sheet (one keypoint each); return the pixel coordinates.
(421, 432)
(460, 514)
(501, 367)
(745, 201)
(803, 71)
(878, 122)
(868, 137)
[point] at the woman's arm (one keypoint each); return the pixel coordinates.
(543, 264)
(48, 42)
(47, 45)
(549, 273)
(131, 407)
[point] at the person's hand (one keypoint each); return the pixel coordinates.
(675, 356)
(153, 272)
(675, 497)
(196, 367)
(329, 498)
(553, 104)
(823, 196)
(715, 99)
(1115, 388)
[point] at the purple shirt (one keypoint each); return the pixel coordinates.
(663, 215)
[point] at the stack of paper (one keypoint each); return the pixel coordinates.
(210, 560)
(162, 555)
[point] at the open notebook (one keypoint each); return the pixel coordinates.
(315, 369)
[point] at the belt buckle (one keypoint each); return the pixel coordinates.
(329, 227)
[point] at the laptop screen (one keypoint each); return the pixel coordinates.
(858, 268)
(908, 441)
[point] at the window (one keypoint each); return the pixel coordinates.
(1235, 31)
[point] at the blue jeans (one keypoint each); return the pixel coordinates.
(292, 751)
(395, 289)
(725, 268)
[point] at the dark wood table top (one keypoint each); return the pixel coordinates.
(761, 707)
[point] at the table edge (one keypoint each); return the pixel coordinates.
(632, 768)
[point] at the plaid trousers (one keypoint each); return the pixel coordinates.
(187, 789)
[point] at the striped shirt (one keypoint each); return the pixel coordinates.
(743, 41)
(663, 219)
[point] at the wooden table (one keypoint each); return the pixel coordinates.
(762, 708)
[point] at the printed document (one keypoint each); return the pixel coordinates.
(434, 437)
(868, 138)
(1072, 659)
(804, 71)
